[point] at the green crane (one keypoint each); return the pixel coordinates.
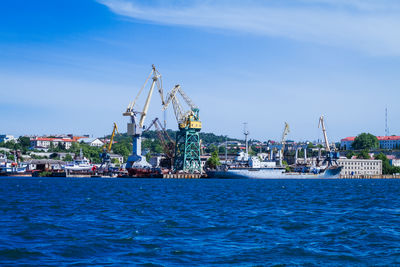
(187, 145)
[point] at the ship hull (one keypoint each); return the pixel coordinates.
(271, 173)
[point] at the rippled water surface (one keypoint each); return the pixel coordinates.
(84, 221)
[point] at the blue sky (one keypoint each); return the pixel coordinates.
(73, 66)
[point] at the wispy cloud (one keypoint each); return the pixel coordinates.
(363, 25)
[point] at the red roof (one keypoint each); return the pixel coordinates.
(54, 139)
(380, 138)
(386, 138)
(348, 139)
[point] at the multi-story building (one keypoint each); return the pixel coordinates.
(46, 142)
(360, 166)
(385, 142)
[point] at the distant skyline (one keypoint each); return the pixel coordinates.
(72, 66)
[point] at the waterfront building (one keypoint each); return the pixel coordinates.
(395, 162)
(118, 157)
(360, 166)
(46, 142)
(385, 142)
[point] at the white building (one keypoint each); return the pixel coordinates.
(360, 166)
(96, 142)
(46, 142)
(395, 162)
(118, 157)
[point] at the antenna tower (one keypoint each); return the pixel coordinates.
(386, 123)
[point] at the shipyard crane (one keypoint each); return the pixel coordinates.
(168, 145)
(105, 155)
(286, 130)
(187, 144)
(331, 154)
(136, 125)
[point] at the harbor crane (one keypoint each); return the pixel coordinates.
(280, 148)
(286, 130)
(331, 154)
(105, 155)
(169, 144)
(136, 126)
(187, 144)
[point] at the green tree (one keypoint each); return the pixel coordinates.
(365, 141)
(363, 155)
(122, 149)
(213, 161)
(68, 157)
(24, 141)
(350, 155)
(386, 167)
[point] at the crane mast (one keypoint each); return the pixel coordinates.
(115, 130)
(105, 155)
(286, 130)
(322, 125)
(331, 154)
(187, 144)
(135, 126)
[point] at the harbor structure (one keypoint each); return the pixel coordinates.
(187, 145)
(360, 166)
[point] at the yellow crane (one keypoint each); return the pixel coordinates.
(105, 155)
(108, 147)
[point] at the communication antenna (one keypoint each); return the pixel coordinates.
(386, 123)
(246, 133)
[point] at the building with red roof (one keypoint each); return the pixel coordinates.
(385, 142)
(45, 142)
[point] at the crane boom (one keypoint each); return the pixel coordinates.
(171, 95)
(286, 130)
(115, 129)
(322, 125)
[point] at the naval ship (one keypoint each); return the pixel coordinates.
(245, 167)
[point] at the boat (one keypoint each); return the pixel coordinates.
(271, 173)
(253, 168)
(79, 164)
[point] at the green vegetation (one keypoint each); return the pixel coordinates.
(213, 161)
(386, 167)
(68, 157)
(350, 155)
(363, 154)
(365, 141)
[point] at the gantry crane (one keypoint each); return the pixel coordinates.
(187, 144)
(331, 154)
(105, 155)
(135, 126)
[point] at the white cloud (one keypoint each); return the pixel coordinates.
(368, 26)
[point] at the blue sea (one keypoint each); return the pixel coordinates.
(94, 221)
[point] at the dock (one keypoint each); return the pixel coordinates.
(183, 176)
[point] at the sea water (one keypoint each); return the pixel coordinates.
(94, 221)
